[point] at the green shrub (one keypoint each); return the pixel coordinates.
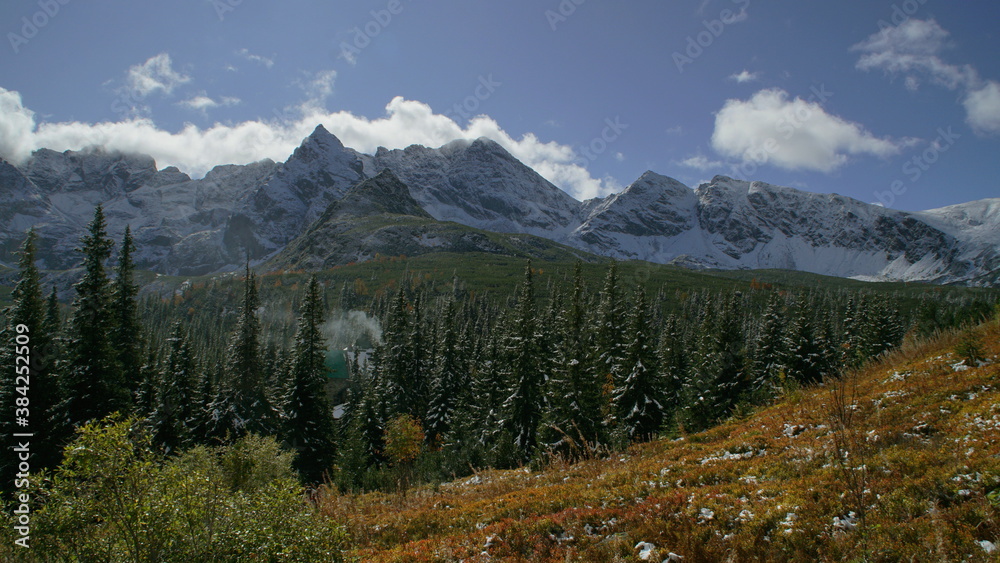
(970, 350)
(115, 499)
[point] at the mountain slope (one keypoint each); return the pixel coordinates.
(380, 217)
(481, 185)
(919, 430)
(734, 224)
(197, 226)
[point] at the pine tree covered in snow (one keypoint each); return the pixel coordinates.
(307, 419)
(92, 384)
(395, 381)
(715, 381)
(240, 405)
(126, 332)
(609, 338)
(673, 363)
(450, 375)
(766, 367)
(172, 416)
(637, 402)
(522, 410)
(573, 419)
(29, 390)
(803, 357)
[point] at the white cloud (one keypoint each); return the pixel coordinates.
(154, 75)
(701, 162)
(196, 150)
(675, 130)
(319, 88)
(204, 103)
(17, 124)
(620, 157)
(259, 59)
(792, 133)
(745, 76)
(982, 107)
(913, 49)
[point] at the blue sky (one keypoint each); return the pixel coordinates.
(892, 101)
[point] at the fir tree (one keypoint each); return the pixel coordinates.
(673, 362)
(126, 332)
(416, 382)
(522, 409)
(174, 409)
(803, 357)
(769, 352)
(307, 418)
(394, 360)
(715, 381)
(28, 390)
(362, 447)
(637, 402)
(241, 406)
(574, 391)
(92, 384)
(449, 375)
(609, 338)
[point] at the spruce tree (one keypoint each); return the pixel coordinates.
(769, 352)
(673, 362)
(307, 419)
(715, 382)
(637, 402)
(92, 383)
(803, 357)
(126, 332)
(522, 410)
(394, 360)
(28, 389)
(609, 339)
(416, 383)
(175, 408)
(449, 375)
(240, 405)
(574, 391)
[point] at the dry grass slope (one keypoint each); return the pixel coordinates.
(898, 462)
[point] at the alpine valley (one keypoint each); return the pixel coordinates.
(328, 204)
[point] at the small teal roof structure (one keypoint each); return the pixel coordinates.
(336, 364)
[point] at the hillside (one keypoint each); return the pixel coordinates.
(900, 461)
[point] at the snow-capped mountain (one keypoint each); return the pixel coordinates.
(195, 226)
(380, 216)
(480, 184)
(729, 223)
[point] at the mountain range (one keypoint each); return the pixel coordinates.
(329, 204)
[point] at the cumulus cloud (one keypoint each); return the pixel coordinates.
(744, 76)
(196, 150)
(794, 134)
(259, 59)
(982, 107)
(913, 49)
(17, 124)
(154, 75)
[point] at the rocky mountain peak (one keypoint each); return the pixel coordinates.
(384, 193)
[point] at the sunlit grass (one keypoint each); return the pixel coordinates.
(910, 472)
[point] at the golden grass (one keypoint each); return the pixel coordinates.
(897, 462)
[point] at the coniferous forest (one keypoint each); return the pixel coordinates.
(156, 419)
